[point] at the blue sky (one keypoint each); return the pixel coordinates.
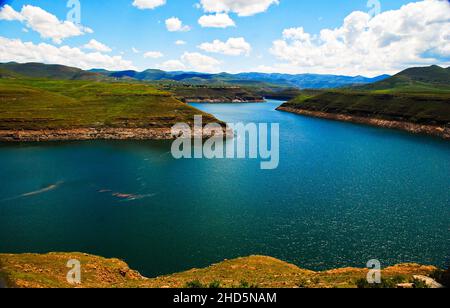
(122, 27)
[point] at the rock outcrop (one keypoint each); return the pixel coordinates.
(83, 134)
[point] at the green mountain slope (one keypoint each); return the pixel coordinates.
(425, 109)
(39, 70)
(419, 96)
(41, 104)
(4, 73)
(215, 94)
(418, 79)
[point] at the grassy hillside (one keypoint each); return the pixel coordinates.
(32, 104)
(432, 79)
(205, 93)
(49, 271)
(4, 73)
(416, 95)
(39, 70)
(420, 108)
(286, 94)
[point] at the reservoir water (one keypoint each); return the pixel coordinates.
(343, 194)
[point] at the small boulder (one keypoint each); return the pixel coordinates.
(431, 283)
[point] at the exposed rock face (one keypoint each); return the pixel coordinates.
(438, 131)
(431, 283)
(82, 134)
(86, 134)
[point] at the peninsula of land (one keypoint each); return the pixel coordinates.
(416, 100)
(62, 109)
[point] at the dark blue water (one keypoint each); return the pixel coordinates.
(343, 194)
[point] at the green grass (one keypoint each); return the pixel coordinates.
(49, 271)
(402, 84)
(431, 79)
(33, 104)
(223, 93)
(40, 70)
(414, 107)
(417, 95)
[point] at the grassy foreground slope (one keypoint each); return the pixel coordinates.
(49, 271)
(419, 96)
(42, 104)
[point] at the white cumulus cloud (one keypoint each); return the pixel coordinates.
(180, 42)
(240, 7)
(8, 13)
(234, 46)
(172, 65)
(198, 62)
(219, 20)
(416, 34)
(19, 51)
(46, 24)
(192, 61)
(96, 45)
(153, 54)
(148, 4)
(174, 24)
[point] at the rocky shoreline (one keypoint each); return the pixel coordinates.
(85, 134)
(437, 131)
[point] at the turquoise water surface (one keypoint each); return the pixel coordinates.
(343, 194)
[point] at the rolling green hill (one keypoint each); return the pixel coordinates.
(41, 104)
(418, 96)
(419, 79)
(420, 108)
(215, 94)
(8, 74)
(39, 70)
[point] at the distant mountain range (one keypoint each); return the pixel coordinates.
(302, 81)
(310, 81)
